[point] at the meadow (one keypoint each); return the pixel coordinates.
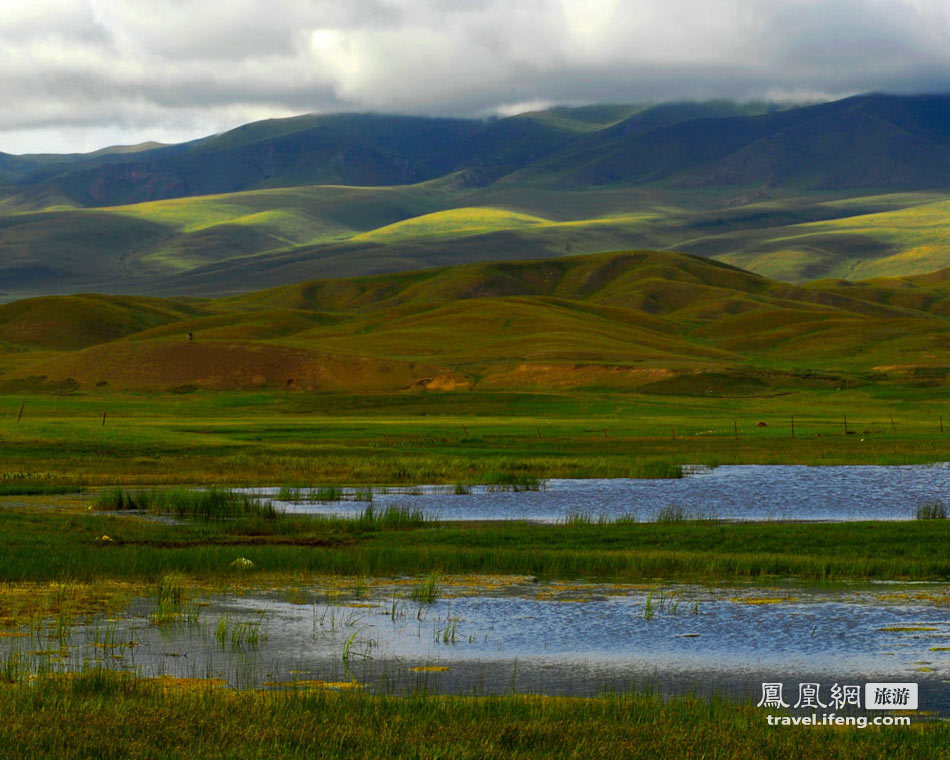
(102, 715)
(289, 548)
(285, 438)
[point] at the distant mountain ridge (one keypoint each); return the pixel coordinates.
(861, 142)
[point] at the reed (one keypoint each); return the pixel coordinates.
(935, 510)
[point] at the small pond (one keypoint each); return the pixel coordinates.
(552, 638)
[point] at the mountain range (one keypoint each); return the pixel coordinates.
(854, 188)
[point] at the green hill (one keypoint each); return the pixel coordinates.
(637, 320)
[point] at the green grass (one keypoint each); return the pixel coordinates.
(106, 715)
(206, 504)
(404, 543)
(426, 590)
(934, 510)
(453, 222)
(269, 438)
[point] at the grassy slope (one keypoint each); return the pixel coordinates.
(624, 320)
(216, 243)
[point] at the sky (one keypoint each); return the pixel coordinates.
(77, 75)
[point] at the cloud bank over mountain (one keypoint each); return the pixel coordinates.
(80, 74)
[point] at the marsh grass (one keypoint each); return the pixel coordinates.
(110, 715)
(693, 550)
(508, 481)
(392, 518)
(656, 469)
(578, 519)
(34, 489)
(934, 510)
(671, 513)
(205, 504)
(426, 590)
(172, 606)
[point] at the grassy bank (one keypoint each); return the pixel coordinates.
(53, 546)
(246, 438)
(107, 716)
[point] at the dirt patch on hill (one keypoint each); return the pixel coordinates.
(567, 376)
(165, 365)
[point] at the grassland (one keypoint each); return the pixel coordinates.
(379, 545)
(102, 715)
(604, 366)
(278, 438)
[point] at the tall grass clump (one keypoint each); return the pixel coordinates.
(586, 518)
(580, 518)
(118, 499)
(426, 590)
(672, 513)
(656, 469)
(170, 600)
(391, 517)
(509, 481)
(206, 504)
(934, 510)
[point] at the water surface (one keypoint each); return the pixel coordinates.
(737, 492)
(556, 638)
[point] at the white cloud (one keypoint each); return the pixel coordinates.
(86, 72)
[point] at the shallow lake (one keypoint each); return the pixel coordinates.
(739, 492)
(553, 638)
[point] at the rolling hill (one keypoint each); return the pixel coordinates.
(641, 320)
(850, 189)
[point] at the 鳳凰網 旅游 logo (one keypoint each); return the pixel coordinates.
(848, 698)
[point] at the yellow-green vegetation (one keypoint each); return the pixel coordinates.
(457, 221)
(919, 237)
(100, 714)
(462, 437)
(324, 439)
(878, 236)
(660, 322)
(286, 234)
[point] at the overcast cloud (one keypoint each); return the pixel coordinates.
(81, 74)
